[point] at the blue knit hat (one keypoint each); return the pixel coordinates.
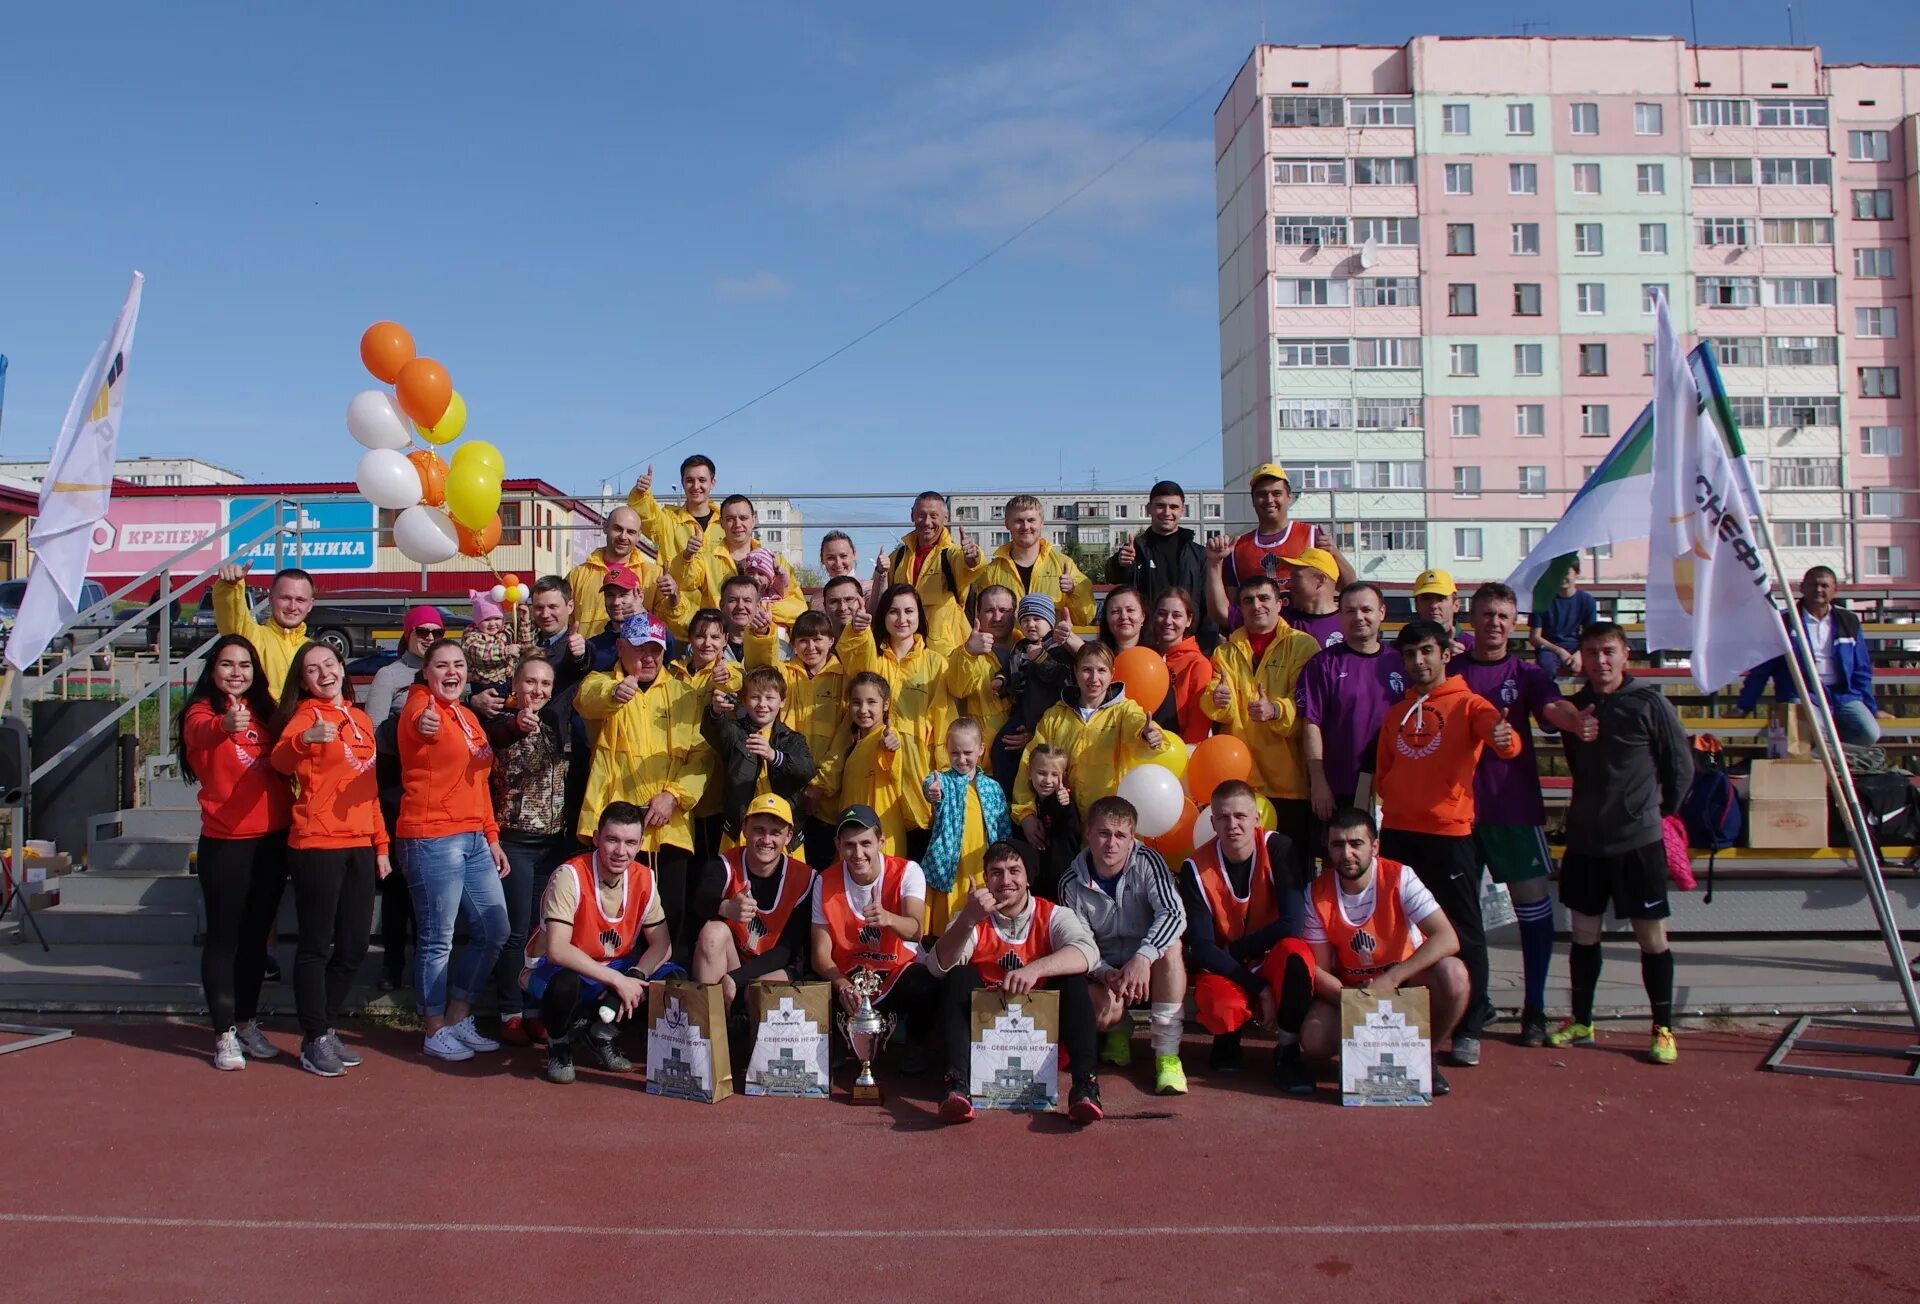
(1037, 604)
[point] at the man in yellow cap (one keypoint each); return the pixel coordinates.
(1264, 549)
(1435, 598)
(761, 927)
(1313, 596)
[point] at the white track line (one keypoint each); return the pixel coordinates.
(1184, 1231)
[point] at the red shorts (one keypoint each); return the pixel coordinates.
(1222, 1005)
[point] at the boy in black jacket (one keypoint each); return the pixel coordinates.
(1032, 674)
(753, 744)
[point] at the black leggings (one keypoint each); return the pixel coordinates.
(689, 894)
(1450, 869)
(333, 897)
(1076, 1021)
(241, 880)
(397, 927)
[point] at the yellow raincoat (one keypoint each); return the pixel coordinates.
(968, 684)
(648, 745)
(892, 782)
(590, 604)
(671, 527)
(1099, 747)
(233, 614)
(700, 579)
(914, 682)
(942, 907)
(1048, 566)
(1278, 767)
(943, 580)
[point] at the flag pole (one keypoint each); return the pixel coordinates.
(1826, 737)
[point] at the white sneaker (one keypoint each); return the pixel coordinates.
(254, 1041)
(226, 1052)
(446, 1044)
(471, 1037)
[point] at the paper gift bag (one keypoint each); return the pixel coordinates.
(687, 1041)
(790, 1026)
(1015, 1059)
(1386, 1048)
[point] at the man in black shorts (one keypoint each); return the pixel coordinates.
(1630, 769)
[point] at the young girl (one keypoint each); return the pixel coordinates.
(337, 848)
(245, 807)
(913, 670)
(882, 763)
(969, 813)
(1103, 732)
(1058, 817)
(488, 645)
(1189, 670)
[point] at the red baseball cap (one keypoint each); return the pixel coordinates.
(620, 577)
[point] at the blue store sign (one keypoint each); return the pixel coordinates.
(334, 534)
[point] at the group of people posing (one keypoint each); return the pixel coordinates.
(689, 766)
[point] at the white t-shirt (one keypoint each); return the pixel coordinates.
(912, 884)
(1415, 902)
(1820, 644)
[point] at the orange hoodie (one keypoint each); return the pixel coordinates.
(1429, 746)
(1191, 674)
(339, 795)
(444, 778)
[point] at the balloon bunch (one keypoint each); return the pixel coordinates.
(510, 591)
(446, 510)
(1170, 791)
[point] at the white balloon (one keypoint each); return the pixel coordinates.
(425, 535)
(1203, 827)
(376, 422)
(388, 480)
(1156, 797)
(499, 593)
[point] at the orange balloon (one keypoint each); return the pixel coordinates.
(478, 543)
(1176, 844)
(385, 348)
(424, 390)
(1218, 760)
(433, 476)
(509, 580)
(1143, 672)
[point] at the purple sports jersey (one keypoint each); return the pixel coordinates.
(1347, 693)
(1508, 792)
(1325, 629)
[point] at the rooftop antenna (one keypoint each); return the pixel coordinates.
(1526, 26)
(1263, 22)
(1790, 40)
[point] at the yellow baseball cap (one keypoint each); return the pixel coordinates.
(768, 803)
(1434, 581)
(1316, 559)
(1268, 471)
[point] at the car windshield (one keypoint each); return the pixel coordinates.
(10, 594)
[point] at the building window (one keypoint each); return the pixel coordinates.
(1649, 120)
(1806, 472)
(1801, 351)
(1309, 172)
(1459, 178)
(1383, 172)
(1390, 413)
(1800, 410)
(1595, 419)
(1593, 359)
(1650, 292)
(1390, 475)
(1531, 537)
(1466, 543)
(1584, 119)
(1528, 359)
(1456, 119)
(1590, 298)
(1793, 113)
(1526, 237)
(1873, 264)
(1720, 113)
(1589, 238)
(1313, 414)
(1523, 178)
(1715, 231)
(1387, 230)
(1466, 420)
(1533, 481)
(1390, 291)
(1650, 179)
(1653, 237)
(1796, 172)
(1519, 119)
(1867, 146)
(1726, 291)
(1460, 239)
(967, 513)
(1797, 230)
(1462, 301)
(1876, 323)
(1530, 420)
(1307, 111)
(1382, 111)
(1211, 511)
(1393, 353)
(1809, 534)
(1310, 232)
(1526, 299)
(1312, 353)
(1586, 178)
(1737, 350)
(1311, 292)
(1722, 172)
(1880, 441)
(1749, 410)
(1318, 477)
(1873, 205)
(1799, 291)
(1463, 359)
(1646, 359)
(1879, 382)
(1886, 563)
(1393, 536)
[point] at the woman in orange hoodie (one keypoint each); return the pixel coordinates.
(450, 850)
(1189, 670)
(336, 849)
(245, 806)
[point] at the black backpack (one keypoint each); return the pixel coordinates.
(1892, 809)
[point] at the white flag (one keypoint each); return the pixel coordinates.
(74, 496)
(1708, 592)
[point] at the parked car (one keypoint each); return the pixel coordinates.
(133, 638)
(352, 624)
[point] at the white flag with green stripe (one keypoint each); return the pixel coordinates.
(1614, 506)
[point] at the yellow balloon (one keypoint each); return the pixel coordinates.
(473, 495)
(1269, 818)
(452, 422)
(1174, 759)
(479, 453)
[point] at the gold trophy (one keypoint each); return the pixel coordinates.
(866, 1032)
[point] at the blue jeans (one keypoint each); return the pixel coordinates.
(1855, 723)
(443, 874)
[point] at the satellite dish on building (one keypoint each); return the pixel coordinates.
(1368, 252)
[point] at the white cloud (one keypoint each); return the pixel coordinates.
(758, 285)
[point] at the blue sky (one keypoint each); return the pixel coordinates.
(614, 223)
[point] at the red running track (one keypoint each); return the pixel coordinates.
(130, 1170)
